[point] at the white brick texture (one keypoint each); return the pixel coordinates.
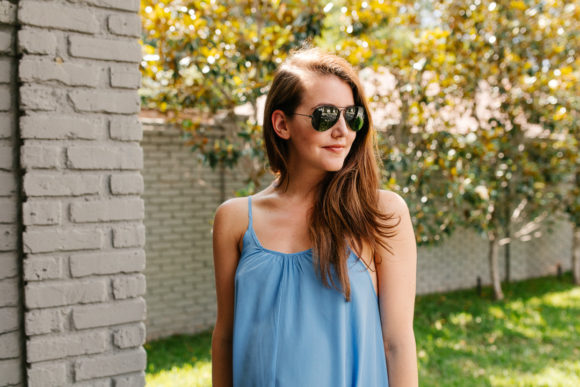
(43, 268)
(11, 332)
(42, 212)
(127, 25)
(59, 127)
(105, 157)
(36, 41)
(124, 184)
(55, 15)
(129, 336)
(7, 210)
(7, 12)
(100, 315)
(47, 375)
(122, 102)
(39, 295)
(110, 364)
(6, 124)
(10, 371)
(59, 184)
(123, 5)
(48, 240)
(129, 261)
(8, 319)
(127, 78)
(137, 380)
(125, 129)
(72, 74)
(180, 196)
(105, 49)
(106, 210)
(42, 321)
(129, 286)
(41, 156)
(40, 348)
(8, 265)
(70, 235)
(129, 236)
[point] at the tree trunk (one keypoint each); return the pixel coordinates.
(507, 245)
(576, 255)
(507, 260)
(494, 269)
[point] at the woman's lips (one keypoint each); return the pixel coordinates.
(334, 148)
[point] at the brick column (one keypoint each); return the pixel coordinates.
(82, 214)
(11, 359)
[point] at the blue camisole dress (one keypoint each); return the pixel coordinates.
(292, 331)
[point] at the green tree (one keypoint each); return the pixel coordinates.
(205, 58)
(522, 57)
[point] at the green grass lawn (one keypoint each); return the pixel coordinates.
(532, 338)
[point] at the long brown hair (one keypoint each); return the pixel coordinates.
(346, 201)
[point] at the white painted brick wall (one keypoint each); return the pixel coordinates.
(122, 102)
(127, 261)
(42, 321)
(181, 196)
(8, 319)
(81, 257)
(125, 129)
(41, 348)
(11, 331)
(104, 49)
(129, 336)
(58, 16)
(110, 364)
(60, 127)
(48, 375)
(36, 41)
(461, 258)
(107, 314)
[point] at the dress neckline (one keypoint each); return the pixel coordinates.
(259, 244)
(261, 247)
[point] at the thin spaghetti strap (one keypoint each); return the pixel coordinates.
(249, 211)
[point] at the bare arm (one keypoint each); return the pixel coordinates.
(396, 274)
(225, 255)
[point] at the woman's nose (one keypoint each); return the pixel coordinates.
(340, 128)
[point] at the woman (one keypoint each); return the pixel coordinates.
(315, 281)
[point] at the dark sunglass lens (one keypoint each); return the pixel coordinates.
(355, 117)
(324, 117)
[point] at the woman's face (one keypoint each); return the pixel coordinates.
(325, 151)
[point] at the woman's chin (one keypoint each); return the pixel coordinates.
(333, 167)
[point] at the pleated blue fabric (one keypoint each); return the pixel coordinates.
(292, 331)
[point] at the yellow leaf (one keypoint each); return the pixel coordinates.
(518, 5)
(566, 70)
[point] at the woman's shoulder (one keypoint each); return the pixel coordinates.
(392, 202)
(234, 209)
(231, 220)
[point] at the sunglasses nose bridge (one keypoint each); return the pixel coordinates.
(341, 122)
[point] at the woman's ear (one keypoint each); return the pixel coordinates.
(279, 123)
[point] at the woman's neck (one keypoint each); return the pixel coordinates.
(300, 185)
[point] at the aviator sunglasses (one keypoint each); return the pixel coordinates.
(324, 117)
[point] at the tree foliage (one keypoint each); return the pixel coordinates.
(481, 125)
(509, 167)
(204, 58)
